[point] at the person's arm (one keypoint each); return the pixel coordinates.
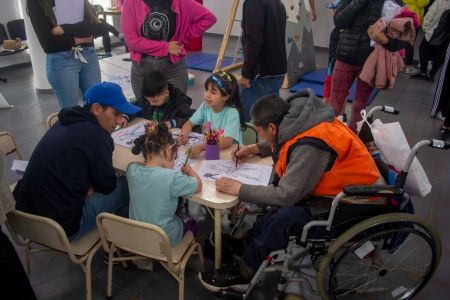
(429, 17)
(101, 171)
(182, 110)
(312, 4)
(254, 37)
(394, 45)
(132, 34)
(306, 167)
(49, 42)
(202, 20)
(347, 11)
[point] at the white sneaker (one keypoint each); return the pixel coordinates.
(144, 264)
(411, 70)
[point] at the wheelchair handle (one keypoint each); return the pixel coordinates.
(384, 108)
(440, 144)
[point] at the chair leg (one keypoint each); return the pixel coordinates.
(110, 271)
(27, 257)
(123, 262)
(201, 257)
(181, 285)
(89, 272)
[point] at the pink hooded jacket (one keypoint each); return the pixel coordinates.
(192, 19)
(382, 66)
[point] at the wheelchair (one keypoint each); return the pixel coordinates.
(359, 250)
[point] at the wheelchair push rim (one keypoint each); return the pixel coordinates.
(390, 256)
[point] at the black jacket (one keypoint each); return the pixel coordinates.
(441, 34)
(74, 155)
(178, 108)
(263, 38)
(354, 17)
(55, 43)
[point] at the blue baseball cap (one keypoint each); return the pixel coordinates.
(110, 94)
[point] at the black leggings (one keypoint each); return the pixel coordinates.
(428, 52)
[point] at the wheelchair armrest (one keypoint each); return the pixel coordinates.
(373, 190)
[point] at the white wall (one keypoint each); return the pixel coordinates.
(323, 26)
(222, 8)
(11, 10)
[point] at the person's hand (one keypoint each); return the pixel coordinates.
(244, 152)
(182, 138)
(313, 15)
(123, 122)
(175, 47)
(187, 169)
(244, 82)
(376, 36)
(57, 30)
(85, 40)
(196, 150)
(228, 186)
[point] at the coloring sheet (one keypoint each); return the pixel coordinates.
(194, 139)
(246, 173)
(125, 136)
(123, 80)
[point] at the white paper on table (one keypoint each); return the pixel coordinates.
(69, 11)
(194, 139)
(252, 174)
(125, 136)
(19, 166)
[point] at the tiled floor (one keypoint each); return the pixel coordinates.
(53, 277)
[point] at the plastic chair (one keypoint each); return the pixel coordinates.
(146, 241)
(16, 29)
(48, 233)
(52, 119)
(249, 135)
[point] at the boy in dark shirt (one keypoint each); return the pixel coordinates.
(163, 102)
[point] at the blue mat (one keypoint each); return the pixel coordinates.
(206, 61)
(198, 58)
(316, 76)
(318, 90)
(209, 66)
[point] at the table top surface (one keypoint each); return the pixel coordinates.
(208, 196)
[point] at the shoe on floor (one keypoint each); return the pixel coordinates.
(107, 54)
(411, 70)
(225, 278)
(444, 133)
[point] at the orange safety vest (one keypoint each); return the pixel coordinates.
(353, 164)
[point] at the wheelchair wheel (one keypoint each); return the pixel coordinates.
(390, 256)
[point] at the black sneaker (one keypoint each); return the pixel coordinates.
(226, 278)
(444, 133)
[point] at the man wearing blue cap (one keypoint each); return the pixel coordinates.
(70, 177)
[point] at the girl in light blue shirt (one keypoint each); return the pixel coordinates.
(222, 108)
(155, 186)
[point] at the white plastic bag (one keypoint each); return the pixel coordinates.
(395, 149)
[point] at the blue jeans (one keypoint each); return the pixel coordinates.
(259, 87)
(68, 75)
(115, 202)
(273, 233)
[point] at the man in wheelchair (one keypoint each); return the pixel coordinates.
(314, 154)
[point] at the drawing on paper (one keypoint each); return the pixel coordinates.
(246, 173)
(194, 139)
(125, 136)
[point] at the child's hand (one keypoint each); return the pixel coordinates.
(196, 150)
(182, 138)
(187, 169)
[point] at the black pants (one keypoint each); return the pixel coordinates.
(428, 53)
(409, 55)
(14, 283)
(103, 30)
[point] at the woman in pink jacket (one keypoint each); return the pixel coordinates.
(156, 31)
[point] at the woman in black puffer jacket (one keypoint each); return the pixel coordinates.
(354, 18)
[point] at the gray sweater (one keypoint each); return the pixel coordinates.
(307, 163)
